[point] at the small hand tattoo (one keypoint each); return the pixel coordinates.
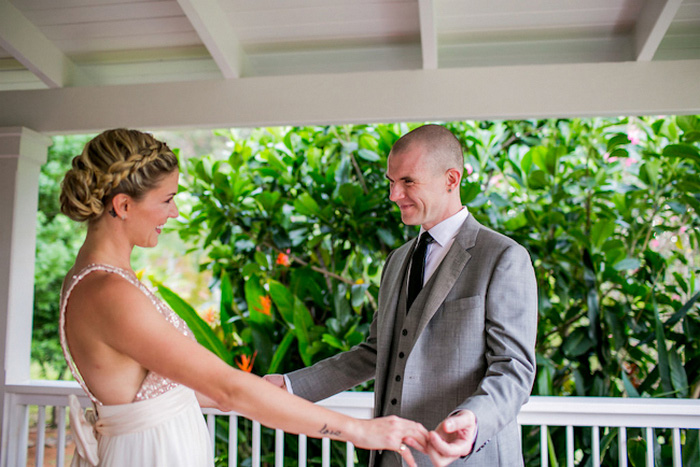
(328, 432)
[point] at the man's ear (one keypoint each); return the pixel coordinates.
(453, 179)
(120, 205)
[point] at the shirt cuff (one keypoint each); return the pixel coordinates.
(288, 384)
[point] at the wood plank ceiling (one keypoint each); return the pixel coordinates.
(77, 43)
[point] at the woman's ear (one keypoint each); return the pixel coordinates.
(120, 206)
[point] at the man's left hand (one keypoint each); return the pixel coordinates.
(453, 438)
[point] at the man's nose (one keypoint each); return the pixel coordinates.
(395, 193)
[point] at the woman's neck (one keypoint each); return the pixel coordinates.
(105, 247)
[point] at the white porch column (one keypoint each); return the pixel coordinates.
(22, 152)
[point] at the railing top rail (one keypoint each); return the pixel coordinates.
(540, 410)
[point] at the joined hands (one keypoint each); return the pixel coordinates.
(452, 439)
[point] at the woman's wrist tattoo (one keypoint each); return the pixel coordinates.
(328, 432)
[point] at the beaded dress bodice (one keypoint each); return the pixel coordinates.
(153, 384)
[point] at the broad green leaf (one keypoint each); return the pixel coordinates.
(629, 387)
(620, 139)
(306, 205)
(682, 151)
(284, 300)
(679, 379)
(601, 231)
(368, 155)
(627, 264)
(349, 192)
(577, 343)
(333, 342)
(201, 330)
(226, 306)
(680, 314)
(281, 352)
(664, 364)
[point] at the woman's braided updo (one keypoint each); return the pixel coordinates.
(115, 161)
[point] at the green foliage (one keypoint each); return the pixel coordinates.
(299, 220)
(57, 245)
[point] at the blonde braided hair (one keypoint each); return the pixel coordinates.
(115, 161)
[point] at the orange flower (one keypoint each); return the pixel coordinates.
(211, 316)
(266, 305)
(245, 363)
(283, 260)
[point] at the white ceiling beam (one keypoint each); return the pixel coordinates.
(210, 22)
(428, 34)
(478, 93)
(24, 41)
(654, 20)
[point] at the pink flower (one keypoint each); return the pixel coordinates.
(682, 229)
(607, 158)
(469, 169)
(629, 161)
(634, 134)
(654, 244)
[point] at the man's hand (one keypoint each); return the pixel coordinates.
(277, 380)
(453, 438)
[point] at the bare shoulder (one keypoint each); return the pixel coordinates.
(103, 293)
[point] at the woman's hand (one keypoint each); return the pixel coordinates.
(392, 433)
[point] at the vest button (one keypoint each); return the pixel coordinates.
(404, 332)
(393, 401)
(401, 354)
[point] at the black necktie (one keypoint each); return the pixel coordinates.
(415, 276)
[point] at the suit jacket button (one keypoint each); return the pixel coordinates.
(398, 378)
(401, 354)
(404, 332)
(393, 401)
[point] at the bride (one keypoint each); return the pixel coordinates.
(134, 357)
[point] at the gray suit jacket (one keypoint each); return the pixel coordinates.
(474, 347)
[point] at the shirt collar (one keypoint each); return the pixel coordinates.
(447, 229)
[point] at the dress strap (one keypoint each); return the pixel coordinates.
(72, 281)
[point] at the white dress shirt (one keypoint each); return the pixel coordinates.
(444, 235)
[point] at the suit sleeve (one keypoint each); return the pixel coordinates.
(511, 331)
(340, 372)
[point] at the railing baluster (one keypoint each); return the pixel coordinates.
(544, 447)
(232, 440)
(649, 435)
(569, 446)
(23, 418)
(326, 452)
(349, 454)
(622, 446)
(677, 460)
(595, 431)
(40, 436)
(61, 437)
(279, 448)
(211, 426)
(256, 444)
(302, 450)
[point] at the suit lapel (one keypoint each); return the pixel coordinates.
(444, 278)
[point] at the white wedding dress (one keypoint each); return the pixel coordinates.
(162, 427)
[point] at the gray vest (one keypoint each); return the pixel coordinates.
(405, 327)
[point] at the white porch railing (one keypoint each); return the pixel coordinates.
(681, 417)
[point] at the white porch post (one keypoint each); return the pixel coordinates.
(22, 152)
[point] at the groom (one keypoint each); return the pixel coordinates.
(452, 343)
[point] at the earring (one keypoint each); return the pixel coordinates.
(123, 217)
